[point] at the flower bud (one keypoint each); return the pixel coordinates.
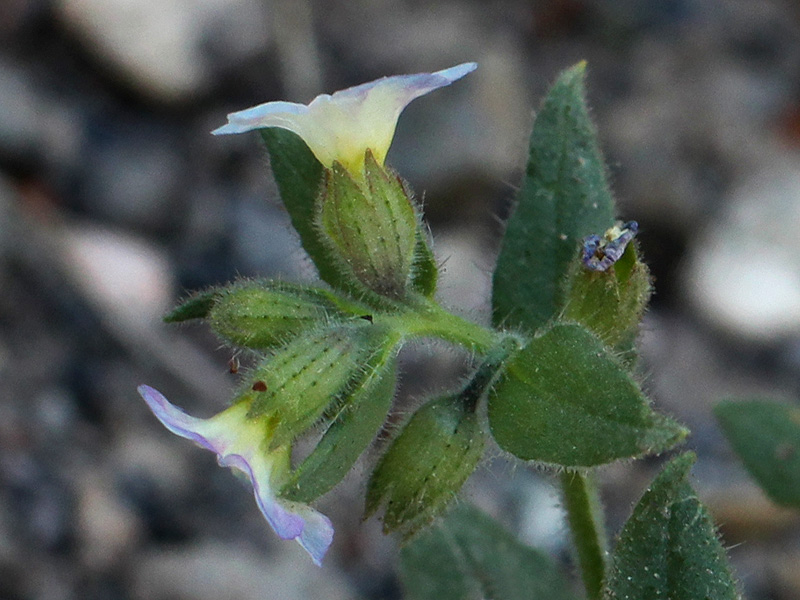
(299, 382)
(371, 227)
(263, 315)
(426, 464)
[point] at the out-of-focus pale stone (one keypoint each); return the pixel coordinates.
(214, 570)
(465, 272)
(107, 528)
(124, 276)
(168, 48)
(744, 273)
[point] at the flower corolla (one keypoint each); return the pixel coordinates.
(342, 126)
(242, 443)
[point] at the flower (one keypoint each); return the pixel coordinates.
(599, 253)
(342, 126)
(241, 443)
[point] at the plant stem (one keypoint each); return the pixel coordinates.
(486, 373)
(429, 319)
(585, 519)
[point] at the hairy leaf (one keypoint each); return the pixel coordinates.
(564, 399)
(469, 556)
(564, 197)
(766, 436)
(669, 547)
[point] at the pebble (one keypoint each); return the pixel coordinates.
(170, 50)
(744, 270)
(215, 569)
(136, 178)
(107, 528)
(125, 276)
(20, 129)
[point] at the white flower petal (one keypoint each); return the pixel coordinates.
(240, 443)
(342, 126)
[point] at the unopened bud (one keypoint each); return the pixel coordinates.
(262, 315)
(370, 226)
(298, 383)
(426, 464)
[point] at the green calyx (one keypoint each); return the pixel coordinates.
(370, 228)
(298, 383)
(196, 306)
(352, 427)
(610, 303)
(263, 315)
(426, 465)
(435, 453)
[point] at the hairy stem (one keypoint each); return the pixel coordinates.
(585, 519)
(429, 319)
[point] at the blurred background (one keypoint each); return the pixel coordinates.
(115, 202)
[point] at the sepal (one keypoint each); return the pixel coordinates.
(196, 306)
(311, 375)
(425, 271)
(351, 430)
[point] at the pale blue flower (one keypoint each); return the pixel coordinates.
(342, 126)
(242, 443)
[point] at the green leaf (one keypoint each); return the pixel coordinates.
(352, 429)
(469, 556)
(766, 436)
(299, 177)
(669, 547)
(196, 307)
(565, 400)
(564, 197)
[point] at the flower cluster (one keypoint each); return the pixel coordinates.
(342, 130)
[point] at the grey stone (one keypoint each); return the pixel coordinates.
(744, 271)
(168, 49)
(214, 569)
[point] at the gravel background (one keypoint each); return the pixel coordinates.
(114, 201)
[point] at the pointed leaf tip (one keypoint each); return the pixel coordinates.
(564, 197)
(669, 547)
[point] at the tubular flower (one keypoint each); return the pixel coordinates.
(342, 126)
(241, 443)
